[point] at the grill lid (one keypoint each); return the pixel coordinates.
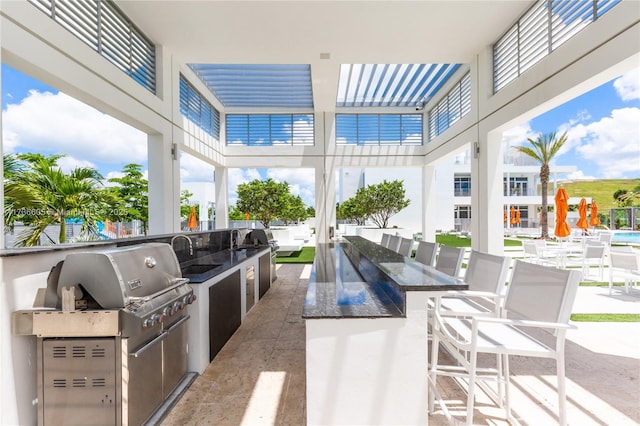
(119, 276)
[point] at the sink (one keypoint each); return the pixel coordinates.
(200, 269)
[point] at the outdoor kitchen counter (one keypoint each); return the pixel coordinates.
(207, 266)
(358, 278)
(366, 335)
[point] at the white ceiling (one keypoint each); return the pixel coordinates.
(298, 32)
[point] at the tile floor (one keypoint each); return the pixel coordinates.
(258, 378)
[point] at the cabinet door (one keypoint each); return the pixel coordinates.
(265, 274)
(174, 356)
(224, 312)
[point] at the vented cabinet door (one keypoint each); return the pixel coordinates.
(79, 383)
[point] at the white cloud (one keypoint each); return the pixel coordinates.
(58, 123)
(579, 175)
(301, 182)
(68, 163)
(193, 169)
(518, 135)
(612, 143)
(628, 85)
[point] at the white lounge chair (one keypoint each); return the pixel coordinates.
(538, 297)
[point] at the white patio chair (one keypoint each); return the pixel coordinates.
(538, 297)
(593, 255)
(625, 263)
(385, 240)
(486, 275)
(426, 253)
(606, 238)
(534, 251)
(405, 247)
(450, 260)
(394, 243)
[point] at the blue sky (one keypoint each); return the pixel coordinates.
(603, 127)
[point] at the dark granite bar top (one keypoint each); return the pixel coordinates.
(337, 290)
(407, 273)
(358, 278)
(203, 268)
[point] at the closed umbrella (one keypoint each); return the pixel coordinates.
(518, 217)
(582, 210)
(192, 221)
(513, 216)
(594, 214)
(562, 206)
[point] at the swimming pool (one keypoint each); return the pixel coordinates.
(632, 237)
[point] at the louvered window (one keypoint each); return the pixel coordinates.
(542, 29)
(455, 105)
(269, 129)
(379, 129)
(198, 110)
(103, 26)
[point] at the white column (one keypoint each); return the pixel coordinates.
(325, 178)
(222, 197)
(429, 203)
(164, 184)
(486, 195)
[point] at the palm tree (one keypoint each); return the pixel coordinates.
(543, 149)
(49, 196)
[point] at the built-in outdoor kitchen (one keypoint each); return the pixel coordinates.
(112, 333)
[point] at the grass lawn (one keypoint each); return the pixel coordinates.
(605, 317)
(305, 255)
(456, 241)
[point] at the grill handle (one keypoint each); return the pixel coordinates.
(143, 349)
(178, 323)
(177, 283)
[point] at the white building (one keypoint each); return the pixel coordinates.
(454, 189)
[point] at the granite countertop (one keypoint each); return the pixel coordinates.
(407, 273)
(361, 279)
(204, 267)
(337, 290)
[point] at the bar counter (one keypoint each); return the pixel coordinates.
(366, 334)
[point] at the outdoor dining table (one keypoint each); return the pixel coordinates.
(366, 334)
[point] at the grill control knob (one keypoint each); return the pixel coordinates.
(177, 306)
(168, 311)
(147, 323)
(189, 299)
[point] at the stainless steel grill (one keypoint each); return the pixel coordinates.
(121, 311)
(264, 238)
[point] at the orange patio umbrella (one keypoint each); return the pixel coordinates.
(582, 210)
(192, 221)
(513, 216)
(594, 214)
(562, 206)
(517, 216)
(504, 216)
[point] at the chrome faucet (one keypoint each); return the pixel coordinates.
(235, 235)
(188, 240)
